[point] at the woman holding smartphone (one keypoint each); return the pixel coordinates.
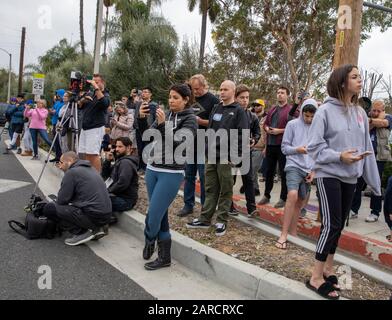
(342, 150)
(164, 175)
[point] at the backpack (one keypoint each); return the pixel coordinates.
(36, 225)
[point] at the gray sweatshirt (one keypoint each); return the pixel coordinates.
(295, 136)
(336, 129)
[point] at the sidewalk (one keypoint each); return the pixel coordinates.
(360, 238)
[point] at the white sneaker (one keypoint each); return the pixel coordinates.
(353, 215)
(372, 218)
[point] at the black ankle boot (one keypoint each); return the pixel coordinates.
(148, 250)
(164, 256)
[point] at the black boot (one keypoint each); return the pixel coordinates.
(148, 250)
(164, 257)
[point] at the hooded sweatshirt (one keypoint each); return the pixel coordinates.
(84, 188)
(57, 106)
(336, 129)
(295, 136)
(174, 122)
(124, 175)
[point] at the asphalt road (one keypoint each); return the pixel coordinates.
(77, 273)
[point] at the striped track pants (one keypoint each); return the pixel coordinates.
(335, 200)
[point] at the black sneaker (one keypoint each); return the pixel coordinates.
(252, 214)
(184, 212)
(197, 224)
(80, 239)
(102, 232)
(220, 229)
(233, 212)
(242, 190)
(19, 151)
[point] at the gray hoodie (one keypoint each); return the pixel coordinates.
(295, 136)
(336, 129)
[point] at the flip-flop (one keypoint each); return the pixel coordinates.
(334, 280)
(324, 290)
(283, 245)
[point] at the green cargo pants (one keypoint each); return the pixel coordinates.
(219, 192)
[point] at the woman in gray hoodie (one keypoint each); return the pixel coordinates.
(341, 148)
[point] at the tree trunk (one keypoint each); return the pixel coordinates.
(203, 37)
(81, 26)
(96, 26)
(106, 34)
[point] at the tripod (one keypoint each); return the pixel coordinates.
(70, 118)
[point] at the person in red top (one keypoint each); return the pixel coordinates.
(274, 126)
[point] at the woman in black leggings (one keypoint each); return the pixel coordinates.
(342, 150)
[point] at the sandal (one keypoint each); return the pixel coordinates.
(281, 245)
(334, 280)
(324, 290)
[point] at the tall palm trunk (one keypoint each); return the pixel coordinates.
(203, 35)
(81, 26)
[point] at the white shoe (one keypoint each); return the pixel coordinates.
(372, 218)
(353, 215)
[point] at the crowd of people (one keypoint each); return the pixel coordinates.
(104, 148)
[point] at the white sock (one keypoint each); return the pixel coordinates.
(14, 139)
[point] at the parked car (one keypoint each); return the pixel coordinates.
(3, 109)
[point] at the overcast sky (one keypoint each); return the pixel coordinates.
(14, 14)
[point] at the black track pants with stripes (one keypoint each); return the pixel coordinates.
(335, 200)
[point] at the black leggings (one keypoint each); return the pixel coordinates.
(335, 200)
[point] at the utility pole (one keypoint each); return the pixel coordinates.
(348, 33)
(98, 37)
(21, 60)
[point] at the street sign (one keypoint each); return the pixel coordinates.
(38, 84)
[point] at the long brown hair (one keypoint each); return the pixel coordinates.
(338, 81)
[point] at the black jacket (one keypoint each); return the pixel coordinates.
(254, 125)
(84, 188)
(94, 112)
(176, 121)
(125, 179)
(231, 117)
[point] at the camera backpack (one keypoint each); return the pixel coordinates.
(36, 225)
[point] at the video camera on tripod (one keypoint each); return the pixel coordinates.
(79, 83)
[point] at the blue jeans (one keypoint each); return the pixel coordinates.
(121, 204)
(190, 180)
(34, 136)
(388, 204)
(162, 189)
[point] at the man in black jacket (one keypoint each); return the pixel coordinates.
(122, 178)
(226, 117)
(242, 97)
(83, 205)
(94, 106)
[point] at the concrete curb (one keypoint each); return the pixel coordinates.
(377, 252)
(248, 280)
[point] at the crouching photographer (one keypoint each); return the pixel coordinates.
(121, 177)
(83, 205)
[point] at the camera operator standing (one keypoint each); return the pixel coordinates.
(94, 106)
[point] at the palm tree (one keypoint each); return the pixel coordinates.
(207, 8)
(81, 26)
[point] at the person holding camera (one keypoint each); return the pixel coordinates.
(121, 178)
(15, 113)
(145, 103)
(37, 127)
(164, 175)
(54, 112)
(94, 105)
(83, 206)
(122, 122)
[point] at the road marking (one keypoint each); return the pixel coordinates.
(8, 185)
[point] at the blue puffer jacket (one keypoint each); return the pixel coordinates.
(57, 106)
(17, 114)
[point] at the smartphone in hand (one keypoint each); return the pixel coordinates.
(365, 154)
